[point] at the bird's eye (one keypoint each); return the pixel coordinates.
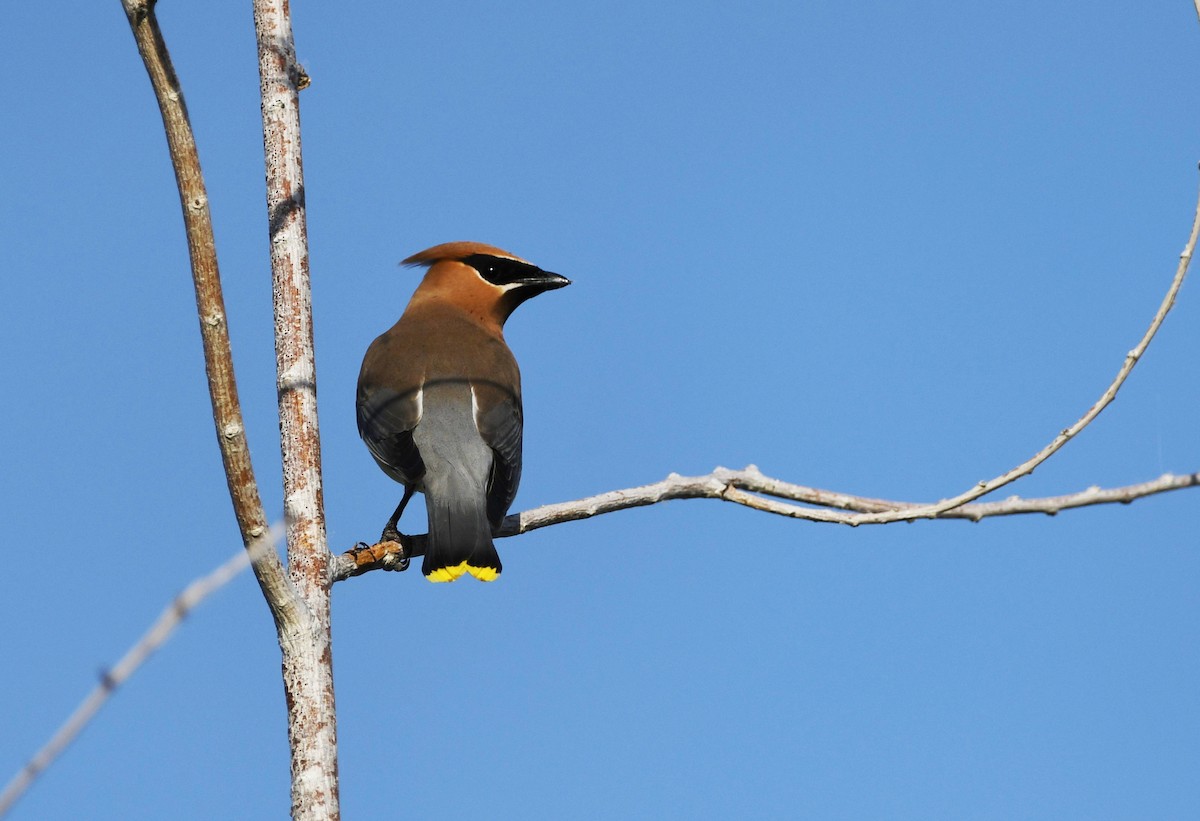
(499, 271)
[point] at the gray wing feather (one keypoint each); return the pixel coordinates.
(385, 422)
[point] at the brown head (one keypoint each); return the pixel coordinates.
(482, 279)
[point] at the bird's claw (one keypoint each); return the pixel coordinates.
(394, 559)
(387, 554)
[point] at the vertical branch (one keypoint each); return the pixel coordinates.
(308, 667)
(210, 304)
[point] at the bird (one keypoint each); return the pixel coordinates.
(439, 402)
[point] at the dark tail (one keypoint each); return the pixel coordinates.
(460, 536)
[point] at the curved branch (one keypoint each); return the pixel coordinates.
(210, 304)
(1056, 444)
(739, 482)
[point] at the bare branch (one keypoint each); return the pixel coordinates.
(307, 658)
(738, 482)
(750, 479)
(210, 304)
(742, 487)
(111, 679)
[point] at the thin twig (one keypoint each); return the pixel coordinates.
(738, 482)
(135, 657)
(751, 479)
(1106, 398)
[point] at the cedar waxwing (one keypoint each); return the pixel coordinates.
(439, 402)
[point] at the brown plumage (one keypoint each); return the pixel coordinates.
(439, 401)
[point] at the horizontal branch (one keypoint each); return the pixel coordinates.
(753, 489)
(741, 487)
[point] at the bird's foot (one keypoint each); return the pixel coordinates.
(389, 553)
(395, 545)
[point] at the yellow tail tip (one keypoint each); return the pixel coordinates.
(449, 574)
(484, 574)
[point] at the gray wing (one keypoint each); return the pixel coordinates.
(385, 422)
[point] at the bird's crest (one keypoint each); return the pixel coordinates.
(458, 250)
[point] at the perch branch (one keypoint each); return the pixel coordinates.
(743, 487)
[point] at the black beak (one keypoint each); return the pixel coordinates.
(546, 280)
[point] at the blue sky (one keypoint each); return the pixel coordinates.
(888, 249)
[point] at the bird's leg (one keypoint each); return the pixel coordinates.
(367, 557)
(390, 533)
